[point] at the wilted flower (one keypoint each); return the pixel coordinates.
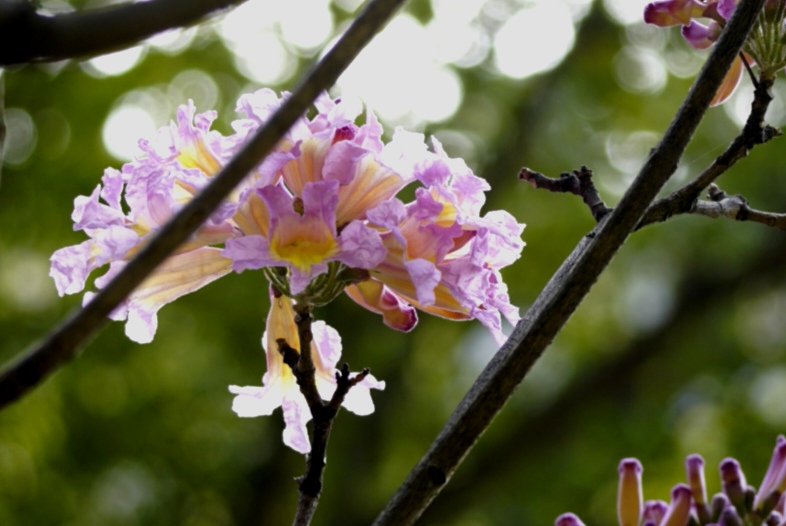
(735, 506)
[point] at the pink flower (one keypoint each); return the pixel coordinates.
(280, 388)
(442, 256)
(701, 36)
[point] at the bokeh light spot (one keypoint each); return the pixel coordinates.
(21, 138)
(24, 280)
(114, 64)
(767, 394)
(123, 128)
(640, 70)
(535, 39)
(626, 11)
(398, 76)
(306, 24)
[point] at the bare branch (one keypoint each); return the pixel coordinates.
(62, 344)
(323, 413)
(754, 133)
(2, 122)
(578, 182)
(27, 35)
(736, 207)
(565, 290)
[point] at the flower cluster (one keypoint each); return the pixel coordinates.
(737, 504)
(319, 216)
(764, 47)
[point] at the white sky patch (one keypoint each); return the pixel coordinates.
(535, 39)
(399, 77)
(114, 64)
(123, 128)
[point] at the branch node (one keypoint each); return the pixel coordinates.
(578, 182)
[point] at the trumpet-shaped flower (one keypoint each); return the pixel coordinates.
(701, 36)
(320, 205)
(280, 388)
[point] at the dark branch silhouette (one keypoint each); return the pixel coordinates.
(686, 199)
(611, 376)
(754, 133)
(578, 182)
(27, 35)
(323, 413)
(566, 289)
(62, 344)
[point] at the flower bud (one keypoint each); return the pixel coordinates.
(774, 483)
(734, 484)
(679, 510)
(568, 519)
(629, 494)
(654, 511)
(694, 466)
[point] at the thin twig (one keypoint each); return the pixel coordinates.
(565, 290)
(76, 330)
(578, 182)
(27, 35)
(749, 69)
(323, 413)
(754, 133)
(736, 207)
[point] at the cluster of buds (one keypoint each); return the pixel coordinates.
(765, 46)
(319, 216)
(737, 505)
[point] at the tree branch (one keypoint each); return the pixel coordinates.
(27, 35)
(322, 413)
(566, 289)
(578, 182)
(2, 122)
(610, 377)
(735, 207)
(754, 133)
(62, 344)
(686, 199)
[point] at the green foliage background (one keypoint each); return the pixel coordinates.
(680, 348)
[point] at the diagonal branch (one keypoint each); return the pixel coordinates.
(27, 35)
(63, 342)
(566, 289)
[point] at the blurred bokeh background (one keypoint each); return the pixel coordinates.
(679, 348)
